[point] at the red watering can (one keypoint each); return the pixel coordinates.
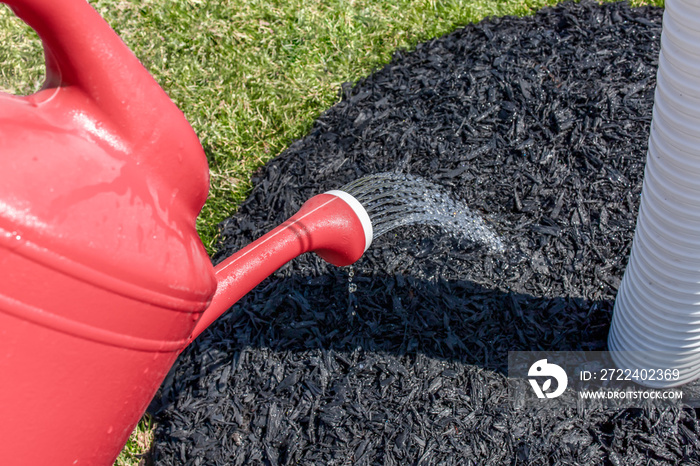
(104, 279)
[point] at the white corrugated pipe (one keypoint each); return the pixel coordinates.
(657, 311)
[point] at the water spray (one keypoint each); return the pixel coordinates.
(394, 200)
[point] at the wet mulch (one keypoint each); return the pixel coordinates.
(540, 124)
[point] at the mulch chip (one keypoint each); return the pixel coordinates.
(541, 125)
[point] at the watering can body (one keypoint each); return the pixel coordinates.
(104, 278)
(103, 274)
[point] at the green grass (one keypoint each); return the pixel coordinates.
(138, 445)
(252, 75)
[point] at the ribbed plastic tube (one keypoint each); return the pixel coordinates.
(656, 320)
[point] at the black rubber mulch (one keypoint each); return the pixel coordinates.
(540, 123)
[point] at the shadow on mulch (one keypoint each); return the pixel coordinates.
(402, 371)
(540, 124)
(452, 321)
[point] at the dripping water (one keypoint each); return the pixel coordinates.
(352, 287)
(394, 200)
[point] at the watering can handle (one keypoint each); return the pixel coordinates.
(83, 53)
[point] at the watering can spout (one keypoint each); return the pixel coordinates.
(334, 225)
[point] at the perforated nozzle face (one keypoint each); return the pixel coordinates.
(360, 211)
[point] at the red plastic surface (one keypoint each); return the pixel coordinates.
(103, 276)
(100, 165)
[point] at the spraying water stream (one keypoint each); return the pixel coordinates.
(395, 200)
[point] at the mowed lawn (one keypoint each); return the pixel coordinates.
(252, 75)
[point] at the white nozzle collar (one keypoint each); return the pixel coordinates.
(359, 211)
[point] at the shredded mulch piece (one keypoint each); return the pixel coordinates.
(541, 125)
